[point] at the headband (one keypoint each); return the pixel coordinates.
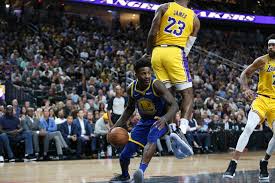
(271, 41)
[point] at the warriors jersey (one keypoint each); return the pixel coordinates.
(149, 104)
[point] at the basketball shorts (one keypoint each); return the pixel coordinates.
(171, 67)
(265, 108)
(145, 132)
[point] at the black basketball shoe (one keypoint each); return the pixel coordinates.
(120, 178)
(230, 172)
(263, 177)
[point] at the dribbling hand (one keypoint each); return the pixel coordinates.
(249, 94)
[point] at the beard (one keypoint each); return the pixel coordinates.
(271, 53)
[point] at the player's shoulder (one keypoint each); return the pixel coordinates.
(163, 7)
(262, 59)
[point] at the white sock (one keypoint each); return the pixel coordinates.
(252, 121)
(184, 123)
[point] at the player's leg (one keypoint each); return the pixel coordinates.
(253, 120)
(176, 65)
(158, 67)
(264, 175)
(184, 87)
(136, 140)
(124, 161)
(148, 152)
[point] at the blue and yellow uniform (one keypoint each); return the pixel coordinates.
(264, 104)
(149, 105)
(168, 58)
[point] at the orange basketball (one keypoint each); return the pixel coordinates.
(118, 137)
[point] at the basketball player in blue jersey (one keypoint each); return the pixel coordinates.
(156, 106)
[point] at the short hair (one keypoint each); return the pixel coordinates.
(142, 62)
(272, 36)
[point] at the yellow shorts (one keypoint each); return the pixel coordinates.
(170, 65)
(265, 108)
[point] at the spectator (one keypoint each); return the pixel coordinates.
(16, 108)
(116, 105)
(102, 127)
(10, 125)
(49, 127)
(84, 131)
(5, 145)
(61, 118)
(90, 118)
(69, 132)
(31, 124)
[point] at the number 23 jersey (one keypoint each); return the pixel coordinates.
(176, 25)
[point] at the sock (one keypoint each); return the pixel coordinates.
(143, 166)
(236, 161)
(184, 123)
(124, 167)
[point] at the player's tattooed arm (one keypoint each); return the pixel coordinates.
(196, 26)
(173, 107)
(129, 110)
(155, 26)
(247, 73)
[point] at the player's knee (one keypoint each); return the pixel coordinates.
(248, 130)
(153, 135)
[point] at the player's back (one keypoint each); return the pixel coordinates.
(266, 84)
(149, 104)
(176, 25)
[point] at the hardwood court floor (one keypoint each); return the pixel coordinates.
(86, 171)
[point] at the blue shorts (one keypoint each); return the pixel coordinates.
(145, 132)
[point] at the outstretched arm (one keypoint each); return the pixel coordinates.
(193, 36)
(247, 73)
(129, 110)
(155, 28)
(173, 107)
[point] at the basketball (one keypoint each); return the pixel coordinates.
(118, 137)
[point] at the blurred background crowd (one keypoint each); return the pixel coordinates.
(65, 82)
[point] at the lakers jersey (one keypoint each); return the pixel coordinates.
(266, 85)
(148, 103)
(176, 25)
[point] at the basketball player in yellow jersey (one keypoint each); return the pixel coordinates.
(170, 39)
(263, 107)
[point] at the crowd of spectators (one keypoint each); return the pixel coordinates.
(77, 71)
